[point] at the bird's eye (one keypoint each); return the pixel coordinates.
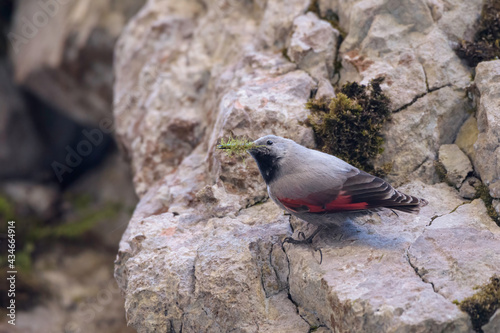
(269, 142)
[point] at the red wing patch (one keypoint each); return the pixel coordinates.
(340, 204)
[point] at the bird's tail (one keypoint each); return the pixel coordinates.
(406, 203)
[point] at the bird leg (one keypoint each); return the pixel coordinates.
(307, 240)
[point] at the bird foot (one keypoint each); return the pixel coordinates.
(307, 241)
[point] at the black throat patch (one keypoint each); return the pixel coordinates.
(268, 166)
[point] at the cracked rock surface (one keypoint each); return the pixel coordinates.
(202, 252)
(487, 150)
(455, 162)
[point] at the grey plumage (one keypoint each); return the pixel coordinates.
(316, 187)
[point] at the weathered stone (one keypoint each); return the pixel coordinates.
(455, 162)
(325, 90)
(467, 137)
(414, 135)
(276, 22)
(313, 45)
(456, 18)
(469, 187)
(400, 41)
(487, 157)
(496, 205)
(493, 325)
(446, 254)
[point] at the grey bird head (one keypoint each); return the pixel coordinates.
(269, 154)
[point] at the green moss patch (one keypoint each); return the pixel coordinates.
(349, 125)
(486, 44)
(483, 304)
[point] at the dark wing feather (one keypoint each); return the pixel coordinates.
(358, 190)
(377, 193)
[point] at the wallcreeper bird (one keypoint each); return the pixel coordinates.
(316, 187)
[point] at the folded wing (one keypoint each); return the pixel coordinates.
(354, 190)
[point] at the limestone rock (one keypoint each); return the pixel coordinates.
(325, 89)
(486, 161)
(469, 187)
(414, 135)
(494, 324)
(454, 267)
(456, 18)
(467, 137)
(313, 46)
(400, 41)
(456, 163)
(277, 19)
(62, 51)
(496, 205)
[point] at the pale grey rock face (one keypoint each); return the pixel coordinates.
(454, 267)
(455, 162)
(203, 251)
(486, 161)
(494, 324)
(467, 137)
(413, 136)
(496, 205)
(325, 89)
(407, 43)
(457, 19)
(313, 46)
(469, 187)
(400, 40)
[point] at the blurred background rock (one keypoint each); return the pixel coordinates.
(56, 76)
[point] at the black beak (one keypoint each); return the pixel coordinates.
(258, 150)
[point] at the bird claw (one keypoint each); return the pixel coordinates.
(305, 240)
(296, 241)
(320, 254)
